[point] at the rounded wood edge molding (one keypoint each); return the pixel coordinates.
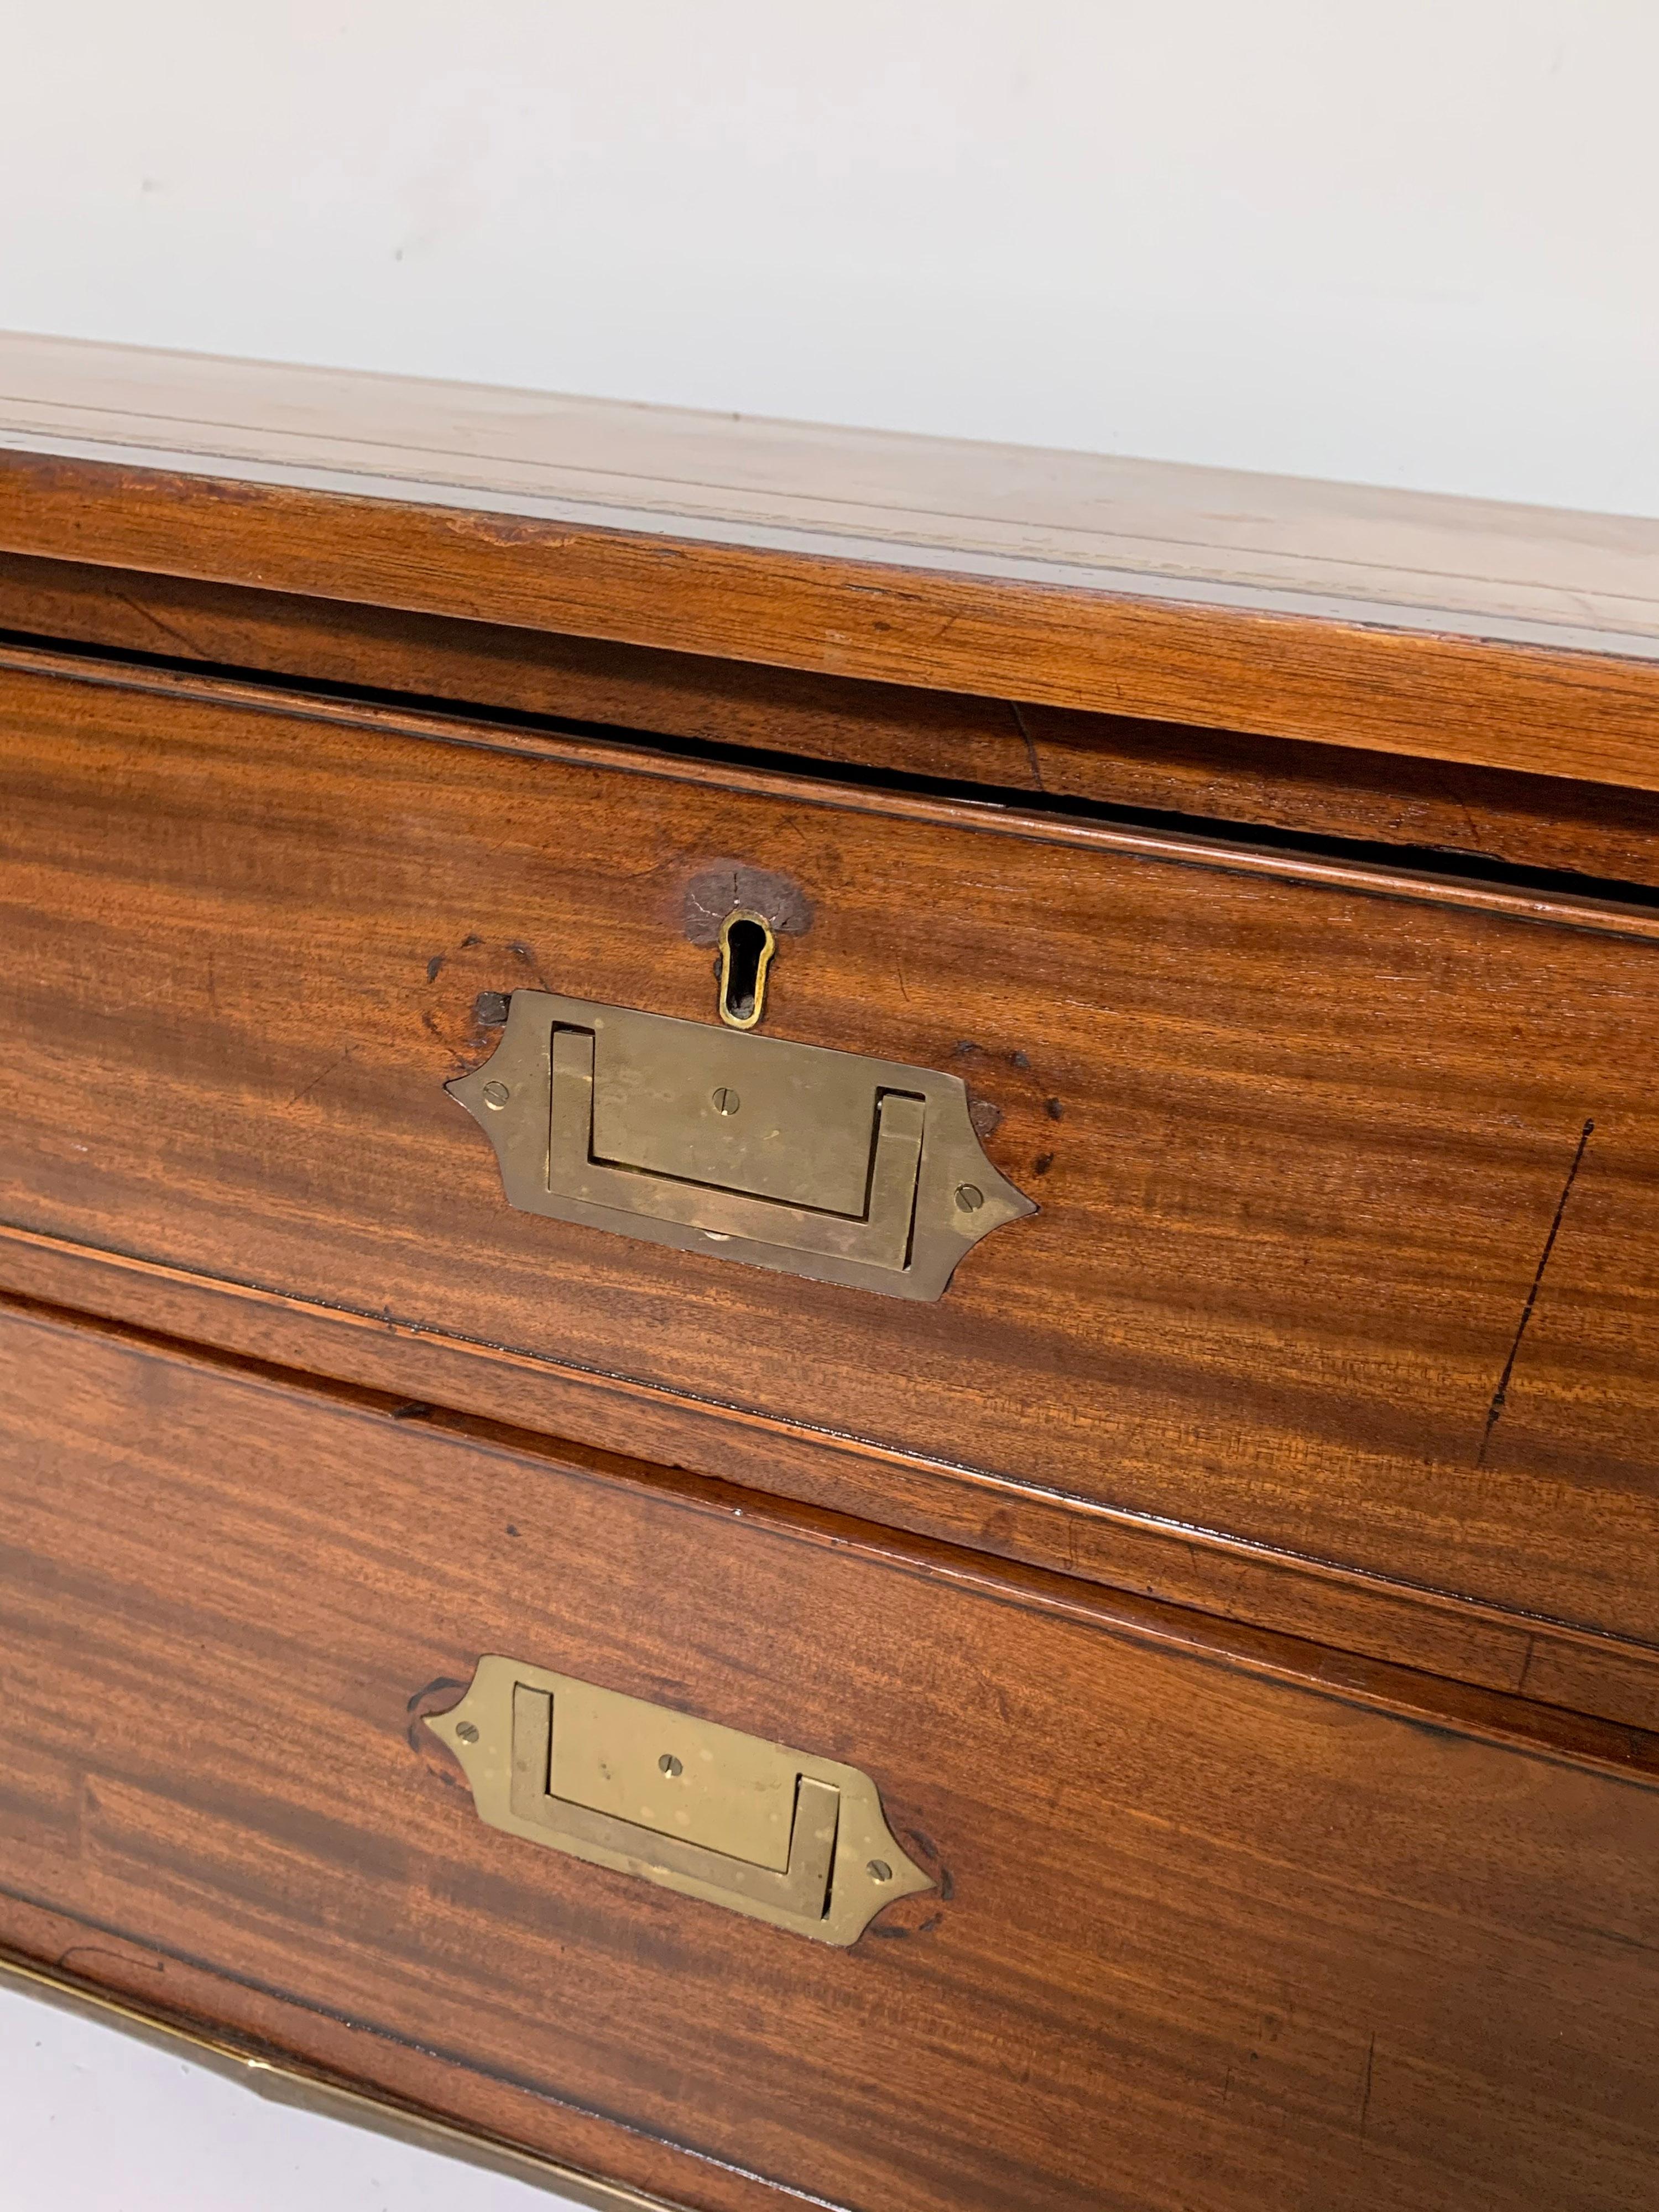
(1534, 708)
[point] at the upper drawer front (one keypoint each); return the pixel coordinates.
(1300, 1150)
(1189, 1936)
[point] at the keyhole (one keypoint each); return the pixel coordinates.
(746, 948)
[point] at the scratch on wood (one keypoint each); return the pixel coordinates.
(1502, 1392)
(339, 1061)
(1449, 784)
(1365, 2100)
(103, 1951)
(458, 1061)
(177, 636)
(1018, 713)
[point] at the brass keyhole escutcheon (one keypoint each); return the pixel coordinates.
(747, 944)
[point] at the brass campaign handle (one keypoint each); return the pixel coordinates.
(879, 1237)
(802, 1889)
(827, 1164)
(680, 1802)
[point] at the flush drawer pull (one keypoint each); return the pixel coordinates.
(685, 1803)
(822, 1163)
(879, 1237)
(800, 1889)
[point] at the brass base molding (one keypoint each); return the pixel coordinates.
(280, 2082)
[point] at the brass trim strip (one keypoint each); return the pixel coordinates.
(282, 2082)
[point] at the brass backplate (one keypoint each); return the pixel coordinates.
(817, 1162)
(780, 1835)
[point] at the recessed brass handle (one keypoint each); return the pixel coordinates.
(799, 1890)
(823, 1163)
(779, 1835)
(879, 1235)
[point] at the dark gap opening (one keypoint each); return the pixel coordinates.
(745, 942)
(1258, 837)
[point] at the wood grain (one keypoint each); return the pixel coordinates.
(1568, 710)
(1286, 1287)
(1326, 791)
(1200, 1935)
(1341, 1611)
(1461, 566)
(1243, 1586)
(938, 734)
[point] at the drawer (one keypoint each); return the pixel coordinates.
(1210, 774)
(1347, 1245)
(1193, 1934)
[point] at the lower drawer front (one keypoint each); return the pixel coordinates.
(1198, 1939)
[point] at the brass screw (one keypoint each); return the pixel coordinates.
(725, 1101)
(466, 1731)
(669, 1765)
(496, 1095)
(879, 1870)
(969, 1197)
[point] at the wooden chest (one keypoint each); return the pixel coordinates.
(830, 1297)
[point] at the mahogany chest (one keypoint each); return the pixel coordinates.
(830, 1298)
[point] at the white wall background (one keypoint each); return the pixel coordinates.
(1412, 243)
(92, 2121)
